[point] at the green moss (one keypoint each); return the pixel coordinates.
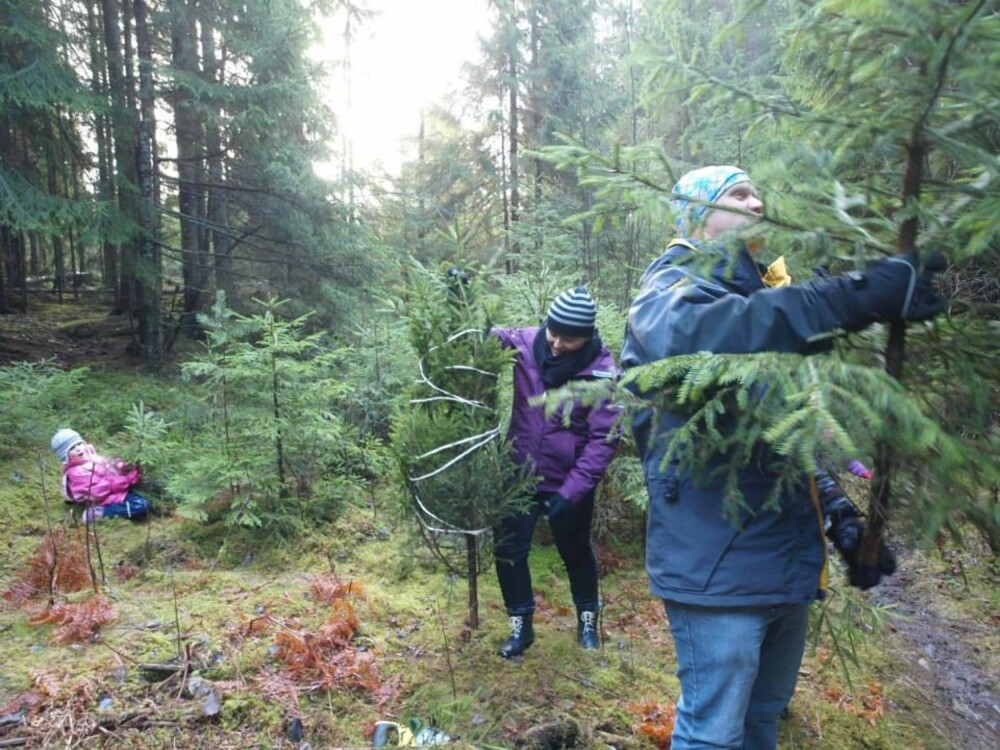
(413, 619)
(248, 712)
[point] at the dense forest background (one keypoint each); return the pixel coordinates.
(158, 161)
(164, 153)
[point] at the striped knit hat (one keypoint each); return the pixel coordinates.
(573, 313)
(696, 191)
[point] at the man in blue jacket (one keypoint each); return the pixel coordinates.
(737, 593)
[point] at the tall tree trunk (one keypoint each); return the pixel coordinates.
(513, 145)
(184, 50)
(124, 130)
(504, 193)
(102, 135)
(218, 206)
(58, 260)
(150, 274)
(536, 105)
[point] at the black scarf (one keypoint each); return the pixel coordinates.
(557, 370)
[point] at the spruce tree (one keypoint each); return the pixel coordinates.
(870, 131)
(266, 448)
(448, 437)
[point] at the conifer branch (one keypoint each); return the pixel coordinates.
(895, 348)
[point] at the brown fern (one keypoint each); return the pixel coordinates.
(657, 721)
(58, 565)
(77, 622)
(327, 659)
(327, 590)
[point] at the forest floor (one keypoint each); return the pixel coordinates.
(236, 614)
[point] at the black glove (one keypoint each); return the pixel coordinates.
(554, 504)
(845, 529)
(865, 576)
(896, 288)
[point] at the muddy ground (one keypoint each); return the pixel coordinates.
(945, 661)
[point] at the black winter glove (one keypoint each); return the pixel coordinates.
(896, 288)
(845, 529)
(554, 504)
(865, 576)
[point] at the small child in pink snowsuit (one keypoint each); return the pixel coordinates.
(102, 484)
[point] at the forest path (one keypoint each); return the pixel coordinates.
(943, 659)
(74, 333)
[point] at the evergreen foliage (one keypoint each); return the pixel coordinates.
(800, 412)
(448, 438)
(272, 449)
(829, 128)
(42, 101)
(33, 401)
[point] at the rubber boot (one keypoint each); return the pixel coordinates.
(586, 629)
(522, 635)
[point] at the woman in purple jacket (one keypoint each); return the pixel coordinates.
(569, 457)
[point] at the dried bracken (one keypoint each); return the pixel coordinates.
(328, 590)
(58, 565)
(327, 658)
(657, 721)
(869, 706)
(77, 622)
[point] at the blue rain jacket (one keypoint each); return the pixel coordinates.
(695, 555)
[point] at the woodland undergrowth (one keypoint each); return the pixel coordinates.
(196, 630)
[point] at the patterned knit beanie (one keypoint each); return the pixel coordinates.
(573, 313)
(697, 190)
(63, 440)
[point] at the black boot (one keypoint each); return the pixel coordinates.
(586, 629)
(522, 635)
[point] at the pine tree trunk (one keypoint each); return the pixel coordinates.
(885, 459)
(472, 568)
(58, 261)
(149, 279)
(124, 131)
(536, 106)
(513, 147)
(218, 205)
(184, 50)
(105, 187)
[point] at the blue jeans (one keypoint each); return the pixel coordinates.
(737, 668)
(570, 532)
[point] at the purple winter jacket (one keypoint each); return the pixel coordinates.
(569, 460)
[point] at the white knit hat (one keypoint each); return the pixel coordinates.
(63, 440)
(572, 313)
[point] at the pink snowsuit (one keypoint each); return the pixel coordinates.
(95, 480)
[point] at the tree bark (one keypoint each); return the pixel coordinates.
(472, 567)
(190, 165)
(885, 458)
(513, 144)
(150, 274)
(218, 205)
(102, 135)
(124, 131)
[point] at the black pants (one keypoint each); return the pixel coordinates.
(571, 532)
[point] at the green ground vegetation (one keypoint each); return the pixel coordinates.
(256, 613)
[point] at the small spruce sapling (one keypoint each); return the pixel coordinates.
(448, 437)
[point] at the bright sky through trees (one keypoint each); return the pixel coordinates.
(404, 58)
